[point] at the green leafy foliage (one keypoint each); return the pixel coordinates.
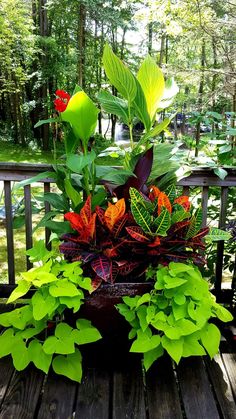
(174, 316)
(37, 331)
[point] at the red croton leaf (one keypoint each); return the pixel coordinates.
(155, 243)
(137, 234)
(184, 201)
(102, 267)
(163, 201)
(178, 227)
(100, 213)
(96, 282)
(86, 212)
(75, 220)
(128, 267)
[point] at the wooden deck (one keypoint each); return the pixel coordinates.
(197, 388)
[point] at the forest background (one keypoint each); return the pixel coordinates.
(53, 44)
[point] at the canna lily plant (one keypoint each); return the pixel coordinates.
(119, 225)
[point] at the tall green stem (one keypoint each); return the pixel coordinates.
(130, 128)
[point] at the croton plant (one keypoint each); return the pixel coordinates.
(119, 224)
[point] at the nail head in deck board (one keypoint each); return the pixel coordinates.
(162, 391)
(93, 395)
(196, 390)
(6, 371)
(128, 393)
(221, 387)
(58, 398)
(230, 366)
(22, 396)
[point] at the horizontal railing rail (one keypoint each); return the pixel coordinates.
(200, 177)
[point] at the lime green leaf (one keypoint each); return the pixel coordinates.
(114, 105)
(145, 342)
(21, 289)
(37, 355)
(144, 299)
(152, 82)
(222, 313)
(39, 252)
(17, 318)
(192, 347)
(43, 305)
(142, 314)
(173, 347)
(85, 283)
(179, 298)
(161, 126)
(186, 327)
(82, 114)
(173, 282)
(86, 332)
(62, 342)
(179, 311)
(63, 288)
(70, 365)
(151, 356)
(72, 302)
(126, 312)
(215, 234)
(118, 74)
(210, 337)
(20, 356)
(77, 163)
(131, 301)
(7, 342)
(162, 222)
(178, 267)
(43, 278)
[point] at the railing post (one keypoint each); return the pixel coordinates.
(220, 244)
(9, 231)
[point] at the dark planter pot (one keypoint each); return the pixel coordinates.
(99, 308)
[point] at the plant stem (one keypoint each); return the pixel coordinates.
(130, 128)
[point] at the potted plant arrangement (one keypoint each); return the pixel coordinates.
(122, 227)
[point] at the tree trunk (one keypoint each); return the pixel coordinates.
(150, 36)
(200, 93)
(81, 45)
(162, 49)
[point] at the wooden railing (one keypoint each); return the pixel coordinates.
(203, 178)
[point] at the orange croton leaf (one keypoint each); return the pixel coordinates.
(163, 201)
(154, 192)
(86, 212)
(184, 201)
(114, 212)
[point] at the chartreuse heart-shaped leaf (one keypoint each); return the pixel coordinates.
(152, 82)
(210, 338)
(62, 342)
(18, 318)
(86, 333)
(63, 288)
(43, 304)
(72, 302)
(20, 355)
(222, 313)
(70, 365)
(82, 114)
(119, 75)
(7, 342)
(173, 347)
(145, 342)
(151, 356)
(192, 347)
(21, 289)
(37, 355)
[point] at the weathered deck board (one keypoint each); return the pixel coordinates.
(196, 391)
(162, 392)
(221, 387)
(128, 393)
(93, 395)
(230, 366)
(22, 396)
(6, 371)
(58, 398)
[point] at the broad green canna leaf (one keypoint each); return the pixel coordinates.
(114, 105)
(170, 91)
(140, 105)
(152, 82)
(82, 114)
(119, 75)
